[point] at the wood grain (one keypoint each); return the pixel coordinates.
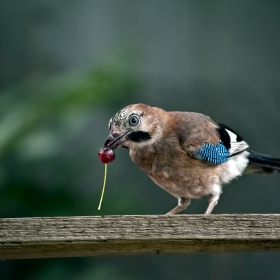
(99, 235)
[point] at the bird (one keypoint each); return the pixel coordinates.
(185, 153)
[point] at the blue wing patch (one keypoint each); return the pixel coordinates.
(215, 154)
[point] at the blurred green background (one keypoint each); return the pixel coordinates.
(66, 67)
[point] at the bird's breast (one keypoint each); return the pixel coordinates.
(175, 171)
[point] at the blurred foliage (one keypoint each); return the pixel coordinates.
(40, 116)
(25, 106)
(47, 151)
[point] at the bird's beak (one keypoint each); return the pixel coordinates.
(115, 140)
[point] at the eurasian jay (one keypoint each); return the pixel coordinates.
(185, 153)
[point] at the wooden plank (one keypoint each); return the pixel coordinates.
(99, 235)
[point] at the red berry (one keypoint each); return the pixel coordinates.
(106, 155)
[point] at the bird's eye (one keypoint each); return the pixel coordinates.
(133, 120)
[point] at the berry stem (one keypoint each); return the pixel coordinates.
(104, 183)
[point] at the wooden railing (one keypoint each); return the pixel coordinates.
(100, 235)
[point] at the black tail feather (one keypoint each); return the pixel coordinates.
(259, 163)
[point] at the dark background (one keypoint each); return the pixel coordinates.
(66, 67)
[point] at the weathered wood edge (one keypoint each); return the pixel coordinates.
(98, 235)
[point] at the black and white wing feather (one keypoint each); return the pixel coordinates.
(232, 141)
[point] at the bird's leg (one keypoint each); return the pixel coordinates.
(183, 203)
(213, 201)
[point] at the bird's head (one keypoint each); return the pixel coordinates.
(134, 126)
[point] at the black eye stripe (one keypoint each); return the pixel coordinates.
(139, 136)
